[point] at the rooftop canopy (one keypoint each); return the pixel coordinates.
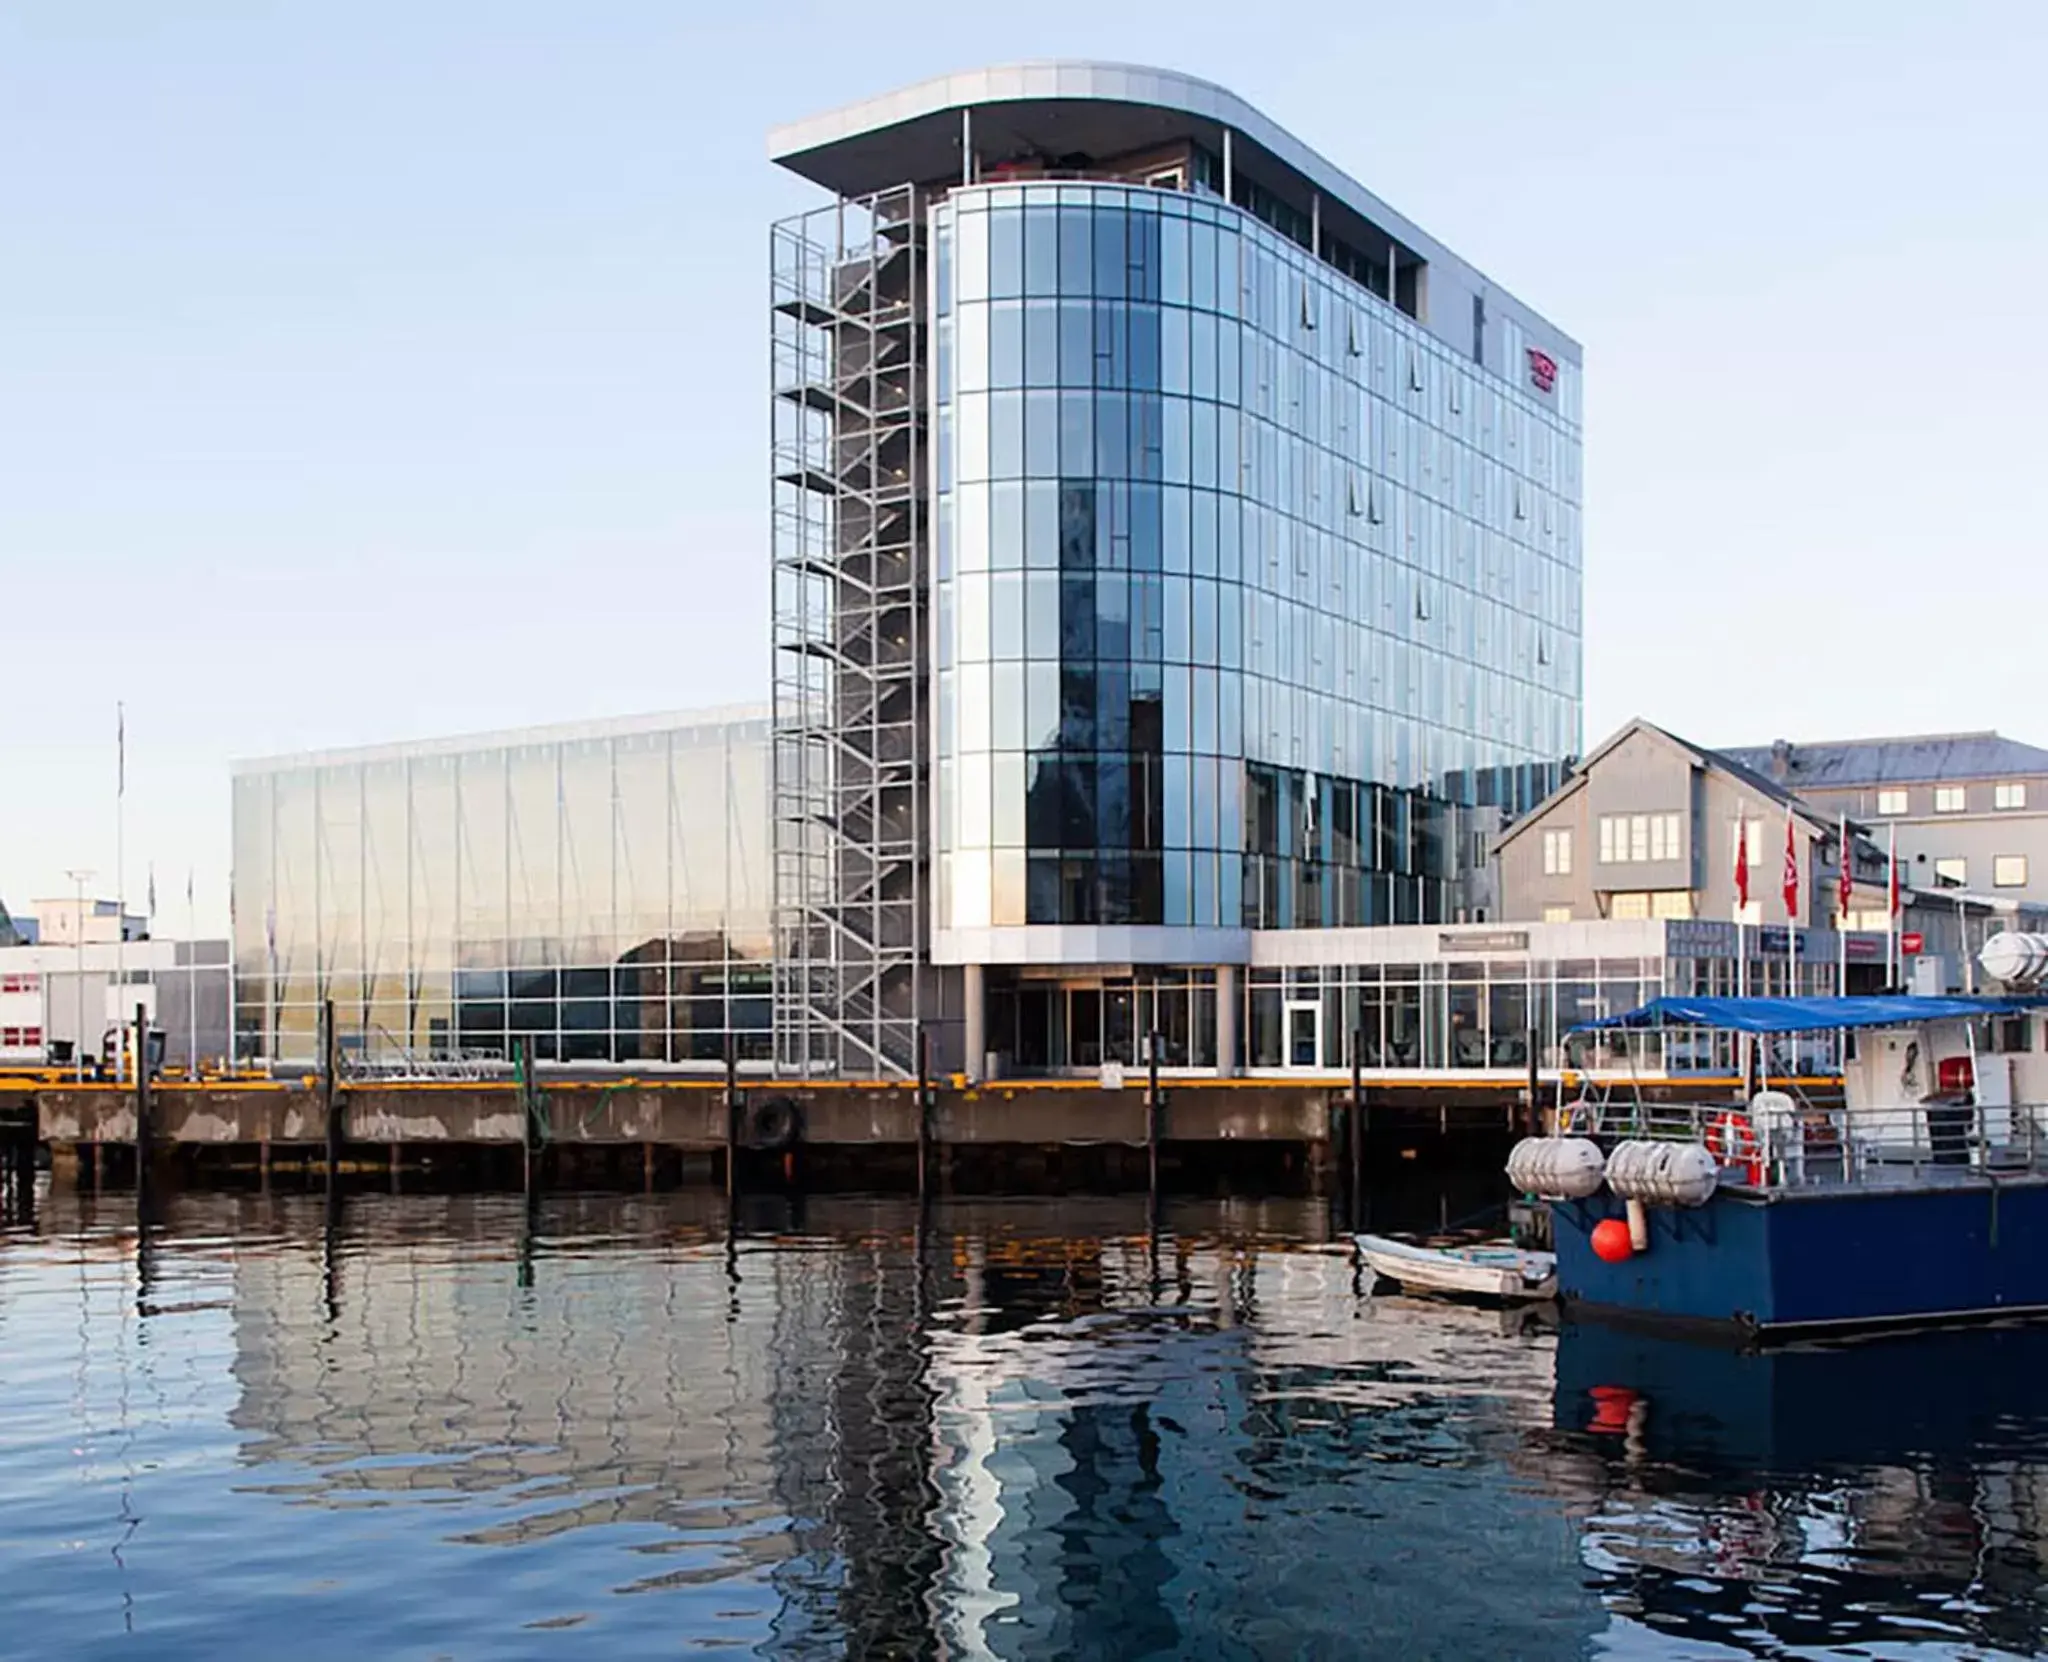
(1810, 1015)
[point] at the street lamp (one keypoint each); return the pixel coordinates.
(79, 879)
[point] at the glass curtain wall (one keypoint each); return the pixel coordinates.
(603, 896)
(1213, 520)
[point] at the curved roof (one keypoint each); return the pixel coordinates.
(1069, 104)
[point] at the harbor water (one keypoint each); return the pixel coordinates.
(621, 1426)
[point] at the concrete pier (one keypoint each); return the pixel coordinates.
(1253, 1125)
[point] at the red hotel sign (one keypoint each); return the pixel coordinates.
(1911, 942)
(1542, 370)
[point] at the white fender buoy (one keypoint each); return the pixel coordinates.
(1556, 1168)
(1662, 1173)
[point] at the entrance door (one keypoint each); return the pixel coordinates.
(1305, 1035)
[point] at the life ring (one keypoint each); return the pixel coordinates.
(1732, 1141)
(774, 1125)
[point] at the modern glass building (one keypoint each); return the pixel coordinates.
(600, 891)
(1173, 545)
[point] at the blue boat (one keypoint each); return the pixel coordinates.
(1920, 1199)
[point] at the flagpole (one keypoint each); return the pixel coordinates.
(1893, 964)
(1848, 880)
(1791, 926)
(120, 875)
(191, 983)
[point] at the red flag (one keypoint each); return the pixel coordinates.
(1741, 863)
(1848, 869)
(1791, 872)
(1894, 862)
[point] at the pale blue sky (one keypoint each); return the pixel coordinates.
(391, 369)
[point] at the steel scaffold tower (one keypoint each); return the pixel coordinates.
(847, 286)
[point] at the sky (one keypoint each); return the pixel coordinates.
(388, 370)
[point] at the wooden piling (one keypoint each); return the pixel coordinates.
(732, 1118)
(144, 1130)
(924, 1110)
(330, 1098)
(1355, 1132)
(1152, 1118)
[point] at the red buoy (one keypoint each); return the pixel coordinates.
(1611, 1244)
(1611, 1405)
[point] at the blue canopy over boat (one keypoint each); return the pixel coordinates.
(1811, 1015)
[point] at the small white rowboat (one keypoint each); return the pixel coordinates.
(1491, 1270)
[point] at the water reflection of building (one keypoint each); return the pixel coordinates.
(974, 1438)
(1223, 1457)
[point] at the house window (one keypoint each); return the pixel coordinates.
(1557, 914)
(1634, 839)
(1950, 799)
(1557, 853)
(1891, 802)
(1663, 836)
(1629, 906)
(2009, 871)
(1952, 873)
(2009, 793)
(1671, 903)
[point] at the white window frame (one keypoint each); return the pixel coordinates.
(1557, 914)
(1961, 879)
(1633, 906)
(2009, 794)
(1894, 800)
(1951, 799)
(2002, 868)
(1557, 852)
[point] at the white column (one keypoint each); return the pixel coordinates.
(1226, 1021)
(974, 1019)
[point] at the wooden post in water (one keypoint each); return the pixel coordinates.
(1152, 1118)
(732, 1118)
(1355, 1131)
(529, 1142)
(924, 1109)
(330, 1106)
(145, 1132)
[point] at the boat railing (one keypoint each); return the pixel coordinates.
(1783, 1140)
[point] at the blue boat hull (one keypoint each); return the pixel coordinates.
(1818, 1259)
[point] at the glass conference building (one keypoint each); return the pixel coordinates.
(1173, 545)
(600, 892)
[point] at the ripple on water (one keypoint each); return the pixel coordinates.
(438, 1426)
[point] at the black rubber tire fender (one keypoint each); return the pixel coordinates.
(774, 1124)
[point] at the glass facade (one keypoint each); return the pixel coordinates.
(1244, 582)
(601, 892)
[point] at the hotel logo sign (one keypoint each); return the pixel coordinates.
(1542, 371)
